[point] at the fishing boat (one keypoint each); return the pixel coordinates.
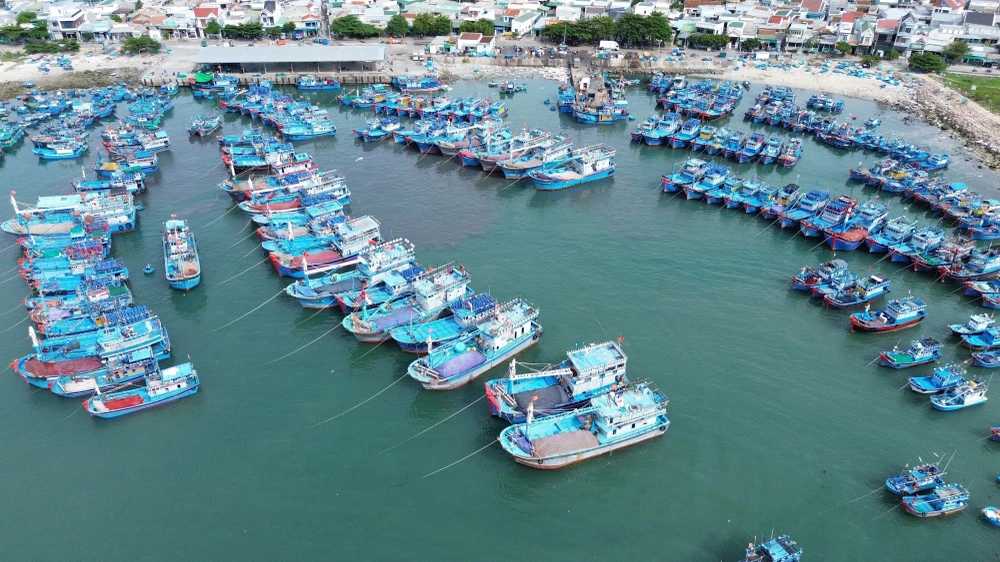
(982, 264)
(204, 125)
(585, 165)
(995, 432)
(834, 215)
(61, 152)
(987, 340)
(897, 231)
(625, 416)
(982, 288)
(466, 315)
(942, 500)
(182, 266)
(718, 142)
(804, 208)
(311, 82)
(693, 169)
(780, 549)
(992, 514)
(540, 158)
(162, 387)
(713, 179)
(751, 148)
(734, 143)
(919, 478)
(923, 241)
(960, 396)
(943, 378)
(512, 330)
(791, 154)
(977, 324)
(949, 254)
(433, 293)
(986, 359)
(703, 139)
(688, 131)
(374, 264)
(920, 352)
(809, 278)
(350, 237)
(861, 292)
(587, 372)
(773, 149)
(122, 370)
(898, 314)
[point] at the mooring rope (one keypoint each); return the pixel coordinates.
(241, 239)
(15, 325)
(244, 271)
(217, 219)
(18, 306)
(412, 437)
(252, 250)
(305, 346)
(477, 451)
(362, 403)
(254, 309)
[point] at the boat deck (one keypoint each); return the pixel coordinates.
(544, 397)
(593, 357)
(564, 442)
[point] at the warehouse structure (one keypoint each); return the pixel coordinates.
(311, 58)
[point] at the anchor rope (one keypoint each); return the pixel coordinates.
(244, 315)
(15, 325)
(252, 250)
(477, 451)
(359, 404)
(304, 346)
(412, 437)
(217, 219)
(244, 271)
(19, 305)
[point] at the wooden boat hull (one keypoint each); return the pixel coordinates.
(562, 461)
(861, 326)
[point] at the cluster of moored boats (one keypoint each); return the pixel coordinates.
(385, 102)
(293, 119)
(549, 160)
(96, 341)
(925, 492)
(671, 129)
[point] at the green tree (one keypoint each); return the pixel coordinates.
(274, 31)
(844, 47)
(213, 28)
(658, 27)
(601, 28)
(422, 24)
(752, 44)
(708, 40)
(927, 62)
(871, 59)
(141, 44)
(570, 31)
(483, 26)
(441, 26)
(631, 29)
(138, 6)
(26, 17)
(118, 19)
(956, 49)
(810, 44)
(87, 36)
(893, 54)
(289, 27)
(397, 26)
(253, 30)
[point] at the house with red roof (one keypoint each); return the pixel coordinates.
(946, 12)
(203, 15)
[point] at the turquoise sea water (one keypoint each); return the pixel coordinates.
(778, 423)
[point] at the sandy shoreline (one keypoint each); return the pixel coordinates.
(917, 94)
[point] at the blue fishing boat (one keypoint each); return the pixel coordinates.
(751, 148)
(942, 500)
(986, 359)
(466, 315)
(809, 278)
(512, 330)
(685, 134)
(587, 372)
(391, 286)
(992, 515)
(537, 159)
(623, 417)
(718, 142)
(920, 352)
(585, 165)
(61, 152)
(781, 549)
(806, 207)
(204, 125)
(310, 82)
(924, 240)
(791, 153)
(433, 293)
(122, 370)
(351, 236)
(162, 387)
(714, 178)
(987, 340)
(848, 235)
(963, 395)
(948, 255)
(977, 324)
(912, 481)
(773, 149)
(897, 231)
(982, 288)
(693, 170)
(734, 143)
(834, 215)
(666, 126)
(182, 267)
(861, 292)
(782, 200)
(705, 136)
(377, 129)
(944, 378)
(982, 264)
(566, 98)
(935, 162)
(374, 263)
(898, 314)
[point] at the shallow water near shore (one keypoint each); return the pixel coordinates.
(778, 423)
